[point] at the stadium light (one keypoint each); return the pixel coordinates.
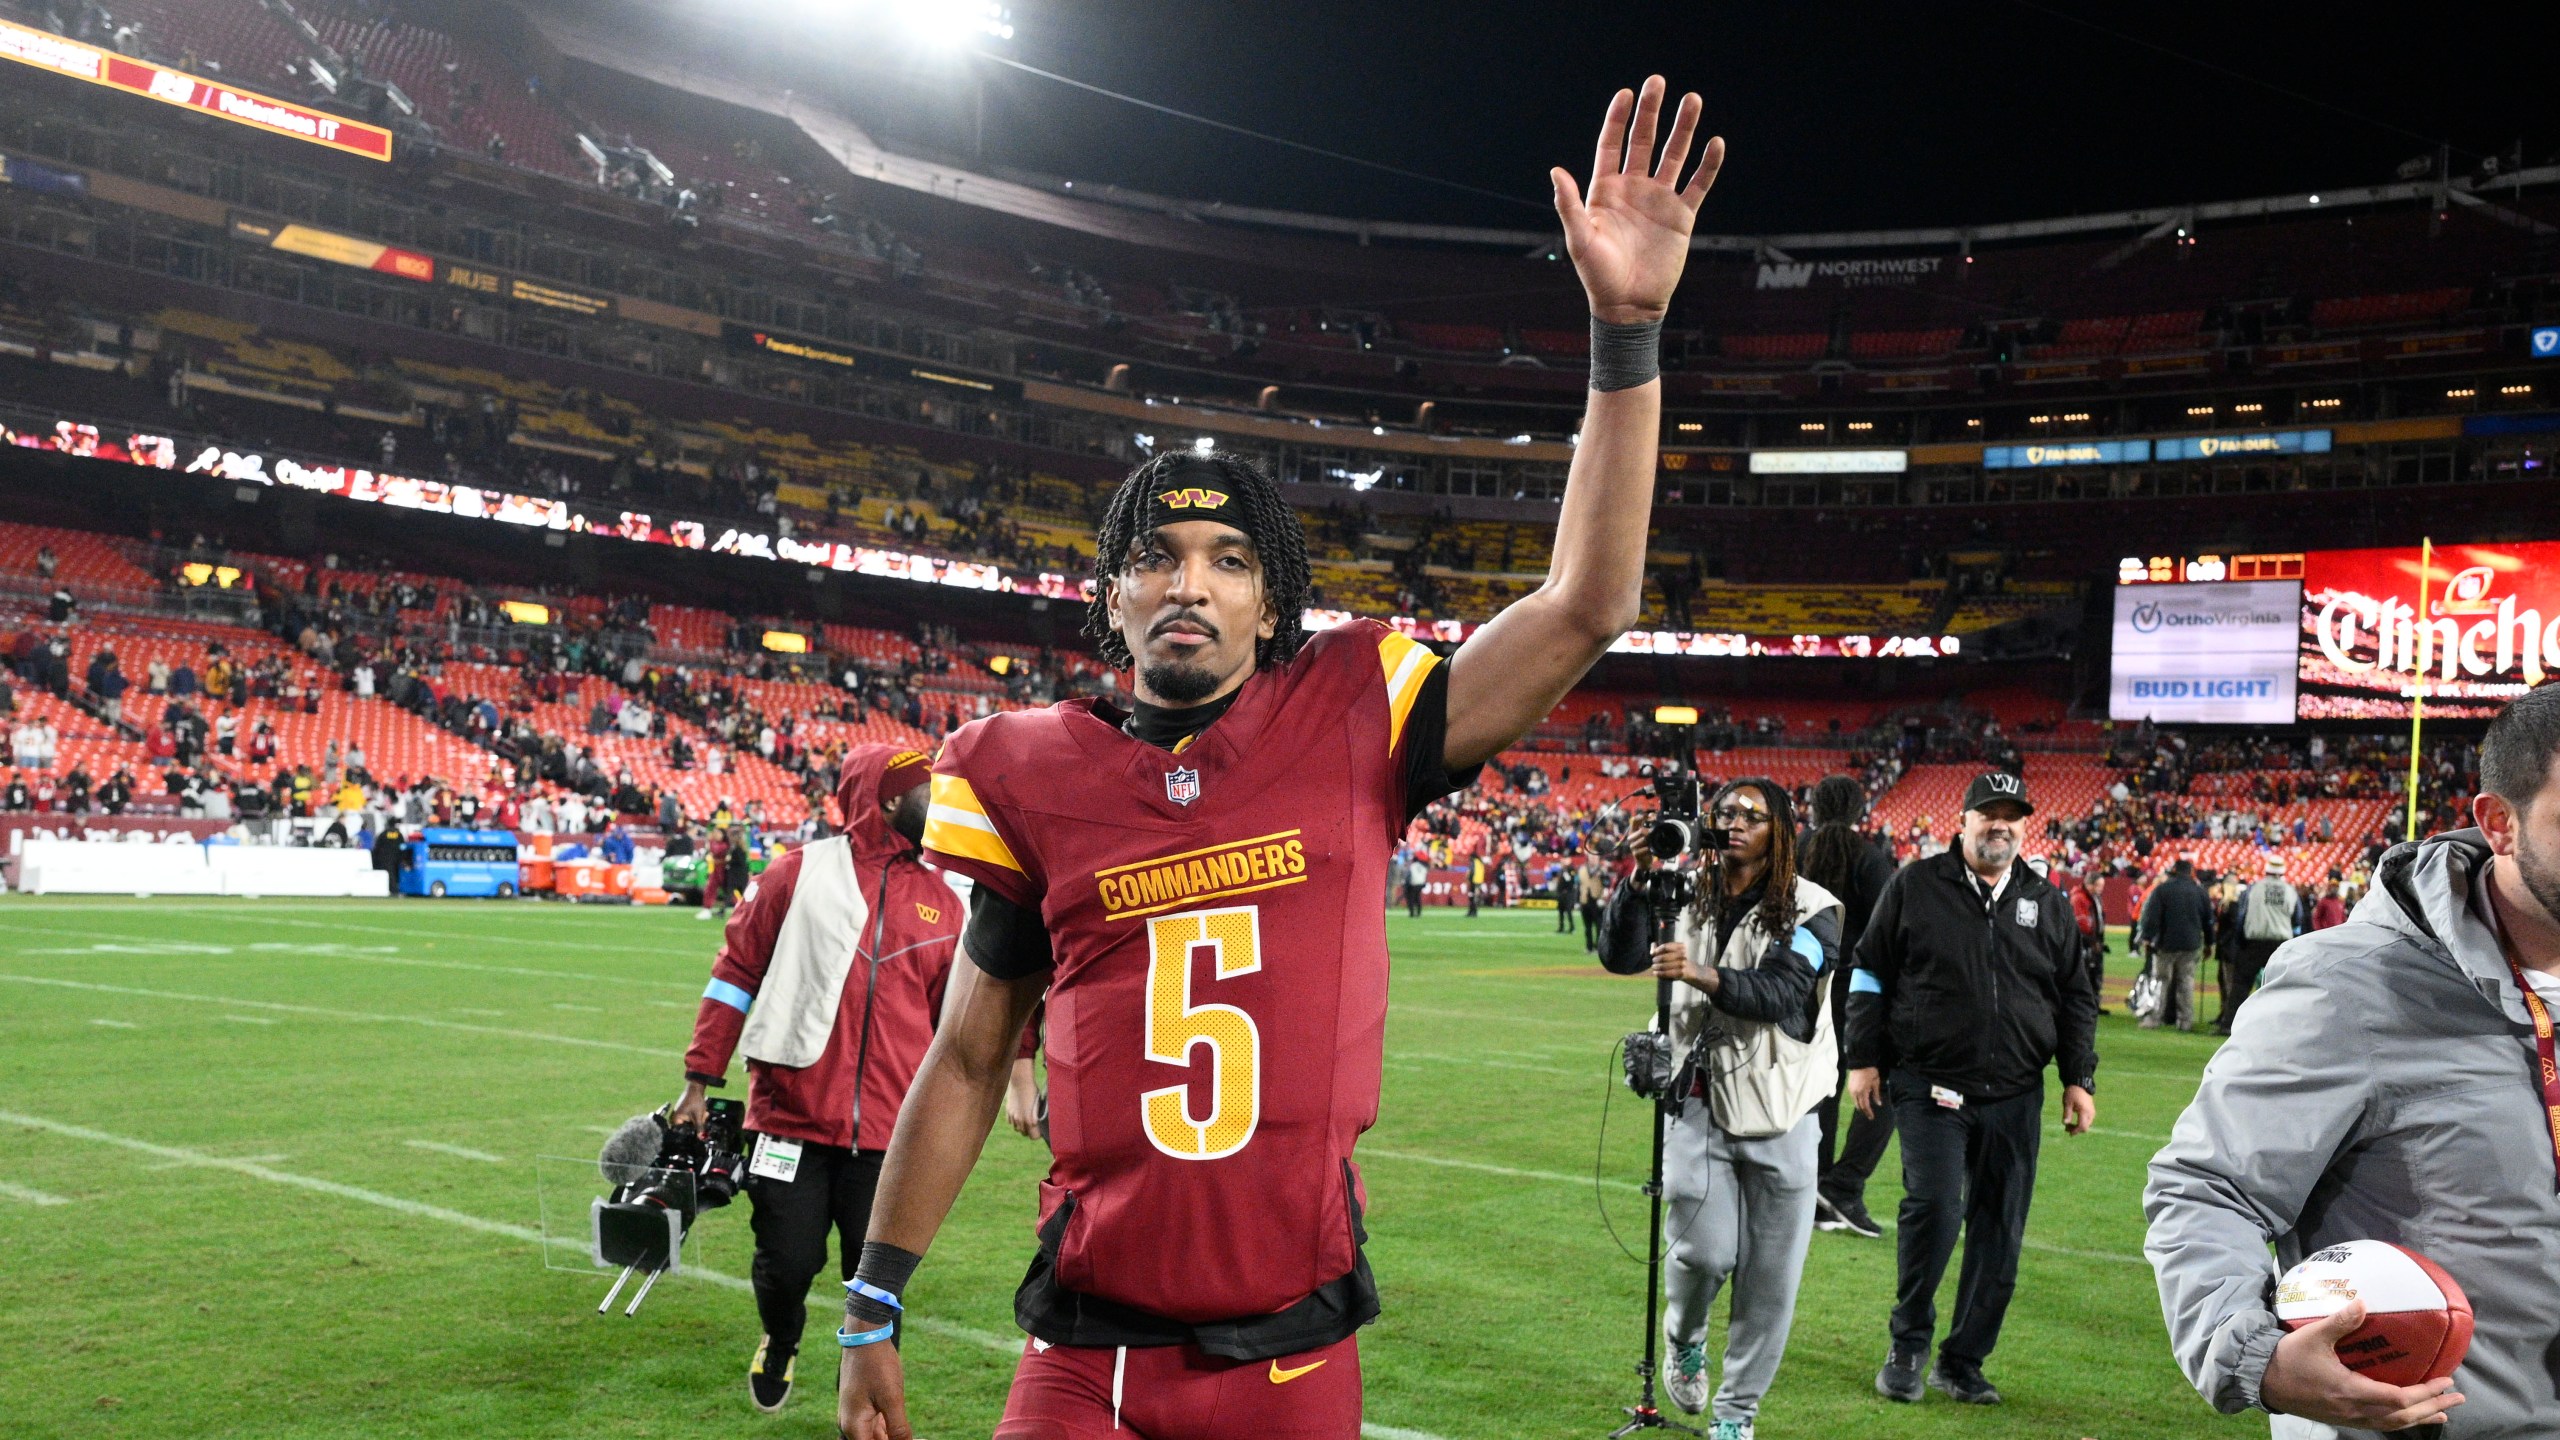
(1204, 445)
(1675, 715)
(952, 24)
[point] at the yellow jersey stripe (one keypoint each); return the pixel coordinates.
(954, 792)
(956, 824)
(1407, 663)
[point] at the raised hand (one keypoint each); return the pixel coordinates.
(1630, 238)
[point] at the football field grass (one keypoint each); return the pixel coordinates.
(269, 1169)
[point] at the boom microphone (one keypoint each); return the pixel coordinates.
(632, 1151)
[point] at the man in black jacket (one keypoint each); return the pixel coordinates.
(2175, 921)
(1967, 984)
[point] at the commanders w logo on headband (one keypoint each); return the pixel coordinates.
(1192, 497)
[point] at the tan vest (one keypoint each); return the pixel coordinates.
(826, 926)
(1761, 1082)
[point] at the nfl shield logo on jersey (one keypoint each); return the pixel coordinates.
(1182, 786)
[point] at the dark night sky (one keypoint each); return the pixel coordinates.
(1839, 116)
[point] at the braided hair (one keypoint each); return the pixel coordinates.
(1829, 857)
(1279, 543)
(1778, 899)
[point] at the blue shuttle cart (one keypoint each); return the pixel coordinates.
(445, 861)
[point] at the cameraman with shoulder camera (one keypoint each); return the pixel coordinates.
(1755, 1060)
(831, 978)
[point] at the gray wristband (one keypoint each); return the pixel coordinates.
(884, 1267)
(1625, 356)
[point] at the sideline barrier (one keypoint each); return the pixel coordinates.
(82, 867)
(87, 867)
(271, 870)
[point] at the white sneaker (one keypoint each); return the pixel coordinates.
(1729, 1430)
(1685, 1378)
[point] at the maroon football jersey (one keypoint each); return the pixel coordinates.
(1219, 994)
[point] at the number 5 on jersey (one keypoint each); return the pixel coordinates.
(1175, 1025)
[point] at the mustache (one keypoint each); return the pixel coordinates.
(1190, 617)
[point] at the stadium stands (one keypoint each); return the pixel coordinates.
(322, 363)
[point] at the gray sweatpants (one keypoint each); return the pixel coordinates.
(1744, 1209)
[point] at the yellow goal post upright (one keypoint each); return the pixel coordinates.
(2418, 694)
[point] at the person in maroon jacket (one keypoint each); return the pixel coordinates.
(830, 978)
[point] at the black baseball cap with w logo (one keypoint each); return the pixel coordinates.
(1993, 785)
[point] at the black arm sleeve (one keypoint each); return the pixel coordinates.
(1427, 775)
(1004, 939)
(1783, 989)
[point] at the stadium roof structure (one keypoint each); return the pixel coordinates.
(1175, 223)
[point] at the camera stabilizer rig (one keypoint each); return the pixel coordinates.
(662, 1177)
(1675, 833)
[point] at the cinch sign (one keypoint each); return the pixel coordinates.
(2490, 629)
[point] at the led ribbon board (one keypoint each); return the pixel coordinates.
(52, 53)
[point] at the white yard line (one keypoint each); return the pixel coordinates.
(1597, 1027)
(448, 932)
(29, 1195)
(1483, 1060)
(1559, 1178)
(433, 1024)
(371, 955)
(1367, 1152)
(116, 1024)
(459, 1152)
(270, 1158)
(930, 1325)
(251, 1019)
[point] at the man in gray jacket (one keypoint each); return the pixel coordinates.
(2385, 1084)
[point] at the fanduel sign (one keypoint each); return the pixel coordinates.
(1798, 274)
(2218, 654)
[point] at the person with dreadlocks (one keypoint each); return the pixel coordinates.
(1752, 1034)
(1193, 881)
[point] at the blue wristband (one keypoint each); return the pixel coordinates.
(849, 1340)
(873, 1293)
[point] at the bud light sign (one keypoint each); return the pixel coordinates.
(2217, 654)
(2479, 626)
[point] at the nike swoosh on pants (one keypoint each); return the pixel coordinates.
(1283, 1377)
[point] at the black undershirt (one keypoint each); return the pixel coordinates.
(1165, 726)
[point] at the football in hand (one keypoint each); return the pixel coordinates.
(2417, 1322)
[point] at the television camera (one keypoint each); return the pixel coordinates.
(663, 1176)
